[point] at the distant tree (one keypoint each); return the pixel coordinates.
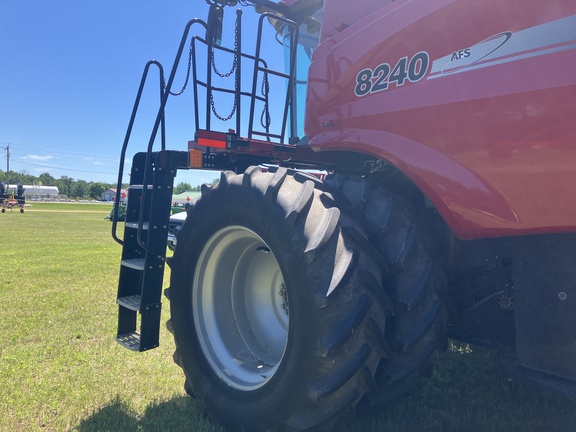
(211, 183)
(65, 185)
(80, 189)
(182, 187)
(9, 176)
(12, 177)
(26, 178)
(96, 190)
(46, 179)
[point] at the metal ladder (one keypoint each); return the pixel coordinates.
(152, 179)
(147, 218)
(144, 248)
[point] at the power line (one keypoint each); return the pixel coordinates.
(66, 169)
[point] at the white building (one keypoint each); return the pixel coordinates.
(110, 194)
(35, 191)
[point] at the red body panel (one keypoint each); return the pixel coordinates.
(487, 126)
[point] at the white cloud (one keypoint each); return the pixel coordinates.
(38, 157)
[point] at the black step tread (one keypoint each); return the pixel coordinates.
(129, 340)
(134, 263)
(134, 225)
(131, 302)
(139, 186)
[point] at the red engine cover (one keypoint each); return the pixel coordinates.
(475, 101)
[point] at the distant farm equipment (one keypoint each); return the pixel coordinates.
(11, 200)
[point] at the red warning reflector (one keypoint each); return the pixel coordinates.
(211, 139)
(207, 142)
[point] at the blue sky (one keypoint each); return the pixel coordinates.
(69, 72)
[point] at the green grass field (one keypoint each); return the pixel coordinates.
(60, 368)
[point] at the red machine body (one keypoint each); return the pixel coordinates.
(462, 110)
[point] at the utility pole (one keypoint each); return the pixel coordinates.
(7, 148)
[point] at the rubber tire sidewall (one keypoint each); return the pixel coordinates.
(286, 391)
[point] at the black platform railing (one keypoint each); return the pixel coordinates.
(237, 91)
(260, 66)
(290, 77)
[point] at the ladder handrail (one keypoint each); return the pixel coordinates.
(159, 123)
(127, 139)
(160, 119)
(165, 92)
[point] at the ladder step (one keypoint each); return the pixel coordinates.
(137, 186)
(134, 225)
(143, 259)
(129, 340)
(131, 302)
(134, 263)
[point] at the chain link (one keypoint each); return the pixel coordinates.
(187, 71)
(218, 116)
(234, 63)
(226, 75)
(265, 119)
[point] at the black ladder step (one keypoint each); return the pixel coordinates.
(143, 259)
(129, 340)
(134, 263)
(139, 186)
(131, 302)
(134, 225)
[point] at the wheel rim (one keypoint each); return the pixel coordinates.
(240, 308)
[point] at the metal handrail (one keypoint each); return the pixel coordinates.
(160, 120)
(165, 89)
(158, 124)
(127, 139)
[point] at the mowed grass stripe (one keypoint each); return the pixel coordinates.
(60, 368)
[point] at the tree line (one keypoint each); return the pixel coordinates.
(185, 187)
(78, 189)
(68, 186)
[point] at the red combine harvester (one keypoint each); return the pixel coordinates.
(446, 132)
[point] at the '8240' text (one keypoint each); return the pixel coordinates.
(382, 76)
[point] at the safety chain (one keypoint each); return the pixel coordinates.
(189, 68)
(226, 75)
(265, 113)
(218, 116)
(234, 63)
(265, 119)
(187, 72)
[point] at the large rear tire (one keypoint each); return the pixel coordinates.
(414, 281)
(277, 309)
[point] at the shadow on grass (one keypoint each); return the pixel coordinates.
(468, 392)
(178, 414)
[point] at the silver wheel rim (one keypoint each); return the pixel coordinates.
(240, 308)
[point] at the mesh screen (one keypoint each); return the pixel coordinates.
(545, 304)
